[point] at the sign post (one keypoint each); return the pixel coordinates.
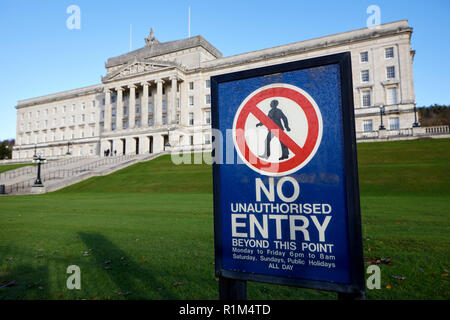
(286, 195)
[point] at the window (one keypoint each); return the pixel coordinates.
(367, 125)
(83, 106)
(137, 123)
(191, 101)
(191, 118)
(389, 53)
(178, 118)
(83, 118)
(125, 124)
(191, 85)
(208, 99)
(207, 139)
(164, 119)
(137, 95)
(125, 110)
(208, 117)
(113, 112)
(164, 105)
(178, 103)
(150, 122)
(113, 98)
(73, 107)
(93, 117)
(113, 126)
(365, 76)
(390, 72)
(394, 123)
(73, 119)
(366, 98)
(191, 140)
(64, 120)
(392, 96)
(163, 90)
(138, 109)
(364, 56)
(93, 103)
(150, 107)
(208, 83)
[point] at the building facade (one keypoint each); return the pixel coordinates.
(159, 95)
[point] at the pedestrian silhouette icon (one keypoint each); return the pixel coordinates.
(280, 119)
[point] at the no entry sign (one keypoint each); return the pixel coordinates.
(304, 118)
(287, 210)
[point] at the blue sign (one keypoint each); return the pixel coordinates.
(286, 195)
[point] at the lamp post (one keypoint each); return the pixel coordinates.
(37, 159)
(381, 127)
(68, 148)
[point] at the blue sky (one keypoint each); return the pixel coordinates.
(39, 55)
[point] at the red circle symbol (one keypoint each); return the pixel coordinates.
(303, 154)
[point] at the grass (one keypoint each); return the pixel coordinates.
(153, 221)
(7, 167)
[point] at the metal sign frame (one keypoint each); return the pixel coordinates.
(354, 236)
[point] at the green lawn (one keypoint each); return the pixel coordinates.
(7, 167)
(154, 222)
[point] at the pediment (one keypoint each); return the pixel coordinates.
(139, 67)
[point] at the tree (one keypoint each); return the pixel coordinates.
(6, 147)
(435, 115)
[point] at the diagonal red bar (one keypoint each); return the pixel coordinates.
(276, 130)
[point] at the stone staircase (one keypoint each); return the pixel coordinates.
(61, 173)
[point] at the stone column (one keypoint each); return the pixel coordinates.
(107, 118)
(172, 108)
(132, 106)
(119, 109)
(144, 105)
(184, 112)
(157, 116)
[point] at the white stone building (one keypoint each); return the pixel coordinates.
(161, 93)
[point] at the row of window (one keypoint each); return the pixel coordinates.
(46, 113)
(207, 84)
(388, 54)
(52, 136)
(394, 124)
(206, 120)
(45, 123)
(390, 74)
(391, 97)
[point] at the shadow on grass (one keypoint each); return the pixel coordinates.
(21, 281)
(128, 275)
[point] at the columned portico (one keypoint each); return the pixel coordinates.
(144, 104)
(119, 109)
(172, 110)
(107, 117)
(132, 107)
(158, 103)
